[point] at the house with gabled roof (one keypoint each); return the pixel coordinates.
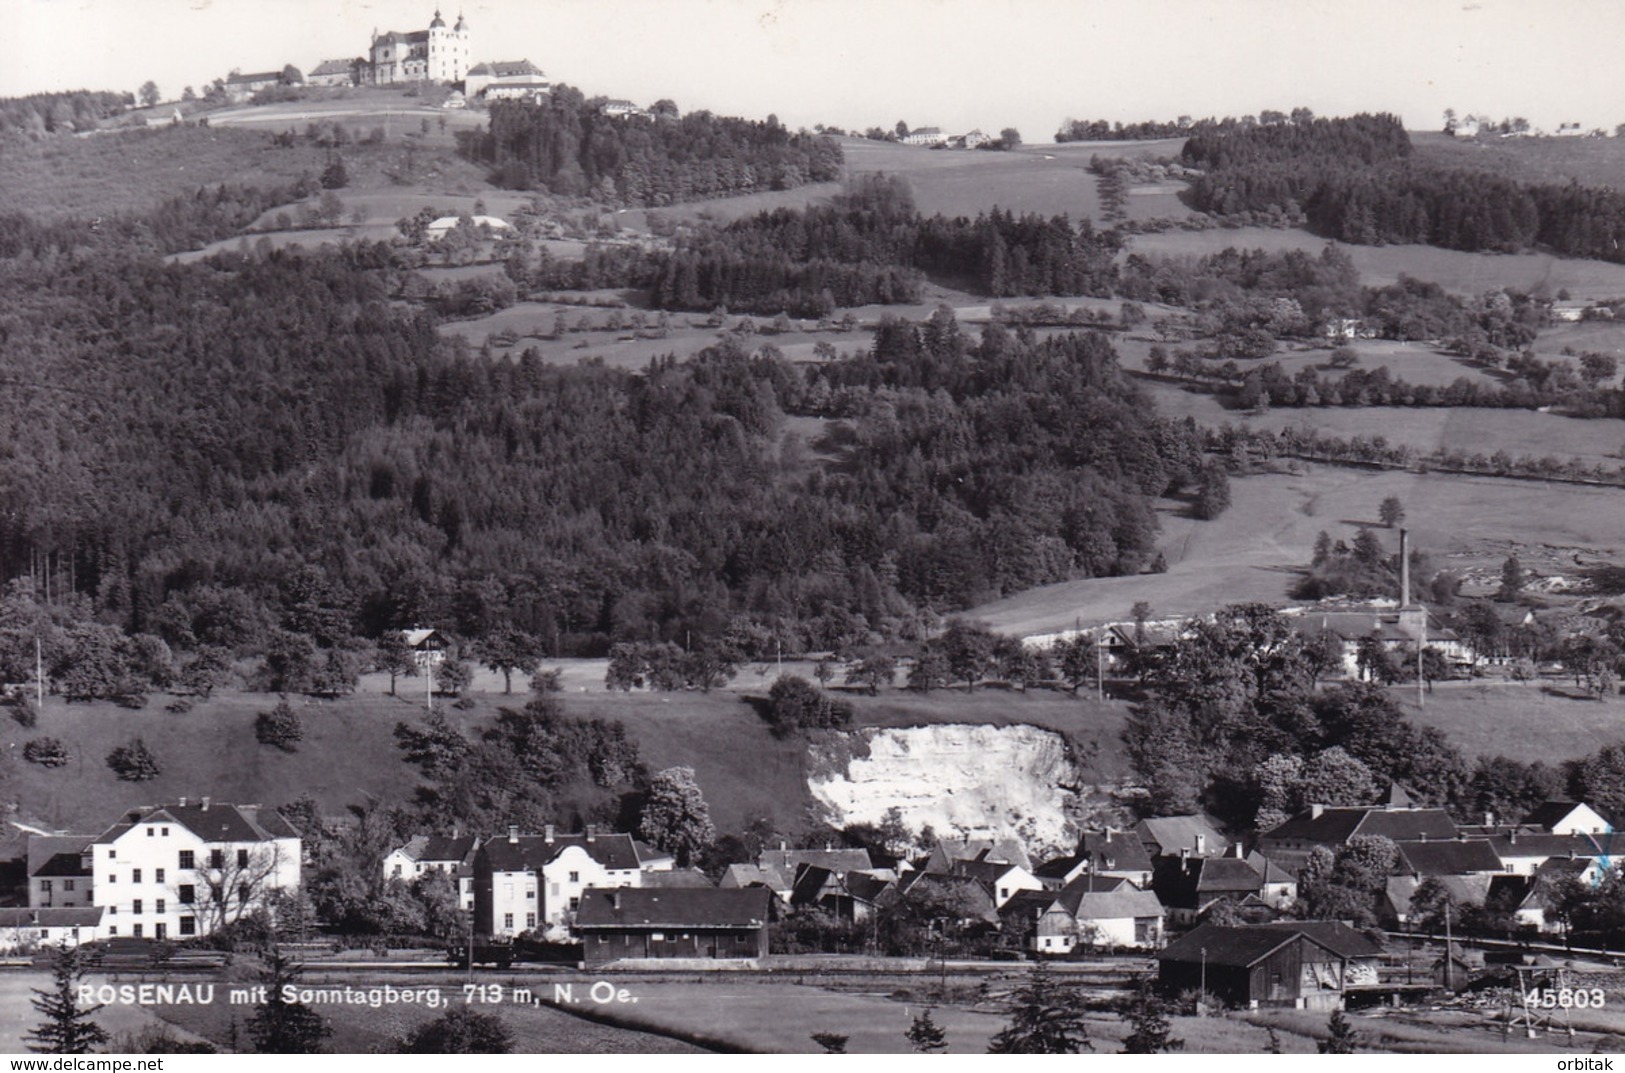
(1122, 854)
(1002, 880)
(183, 869)
(1523, 851)
(710, 924)
(536, 882)
(1400, 889)
(1188, 887)
(1111, 918)
(999, 850)
(1169, 836)
(1457, 857)
(785, 861)
(1396, 818)
(25, 930)
(423, 854)
(60, 871)
(1567, 818)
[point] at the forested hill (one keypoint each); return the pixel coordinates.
(1354, 179)
(569, 145)
(226, 452)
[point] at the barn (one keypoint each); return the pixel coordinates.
(1253, 967)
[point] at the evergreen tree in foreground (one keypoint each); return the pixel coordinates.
(279, 1026)
(1047, 1018)
(1148, 1014)
(67, 1028)
(926, 1036)
(1343, 1038)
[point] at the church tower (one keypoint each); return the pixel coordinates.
(439, 39)
(459, 47)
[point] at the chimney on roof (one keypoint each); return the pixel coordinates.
(592, 832)
(1489, 818)
(183, 802)
(1422, 836)
(1184, 854)
(1404, 568)
(615, 899)
(205, 804)
(1512, 836)
(513, 834)
(783, 845)
(1201, 845)
(1239, 851)
(547, 833)
(1315, 811)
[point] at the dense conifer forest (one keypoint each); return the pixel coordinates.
(300, 462)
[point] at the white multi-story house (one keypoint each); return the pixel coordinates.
(535, 882)
(424, 854)
(172, 871)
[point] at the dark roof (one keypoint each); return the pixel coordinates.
(57, 855)
(809, 884)
(1451, 858)
(507, 69)
(867, 888)
(1225, 874)
(1119, 851)
(1112, 905)
(836, 860)
(416, 37)
(1027, 904)
(1088, 882)
(69, 917)
(262, 76)
(211, 823)
(1334, 935)
(1523, 844)
(1057, 867)
(335, 67)
(1240, 946)
(677, 878)
(710, 907)
(1552, 812)
(1187, 884)
(1335, 826)
(615, 852)
(1170, 834)
(980, 899)
(987, 872)
(442, 848)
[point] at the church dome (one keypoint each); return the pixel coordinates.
(461, 25)
(438, 22)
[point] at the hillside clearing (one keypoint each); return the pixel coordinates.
(1256, 549)
(1454, 270)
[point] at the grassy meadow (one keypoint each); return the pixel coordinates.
(1454, 270)
(1256, 550)
(1589, 161)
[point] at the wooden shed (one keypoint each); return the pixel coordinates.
(1255, 966)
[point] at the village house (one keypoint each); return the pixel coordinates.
(59, 871)
(1001, 880)
(240, 87)
(351, 72)
(712, 924)
(1399, 629)
(1396, 818)
(179, 870)
(434, 853)
(23, 931)
(536, 882)
(999, 850)
(1076, 916)
(1567, 818)
(1522, 852)
(1169, 836)
(932, 136)
(428, 646)
(1120, 854)
(1189, 886)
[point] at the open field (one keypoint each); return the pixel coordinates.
(1591, 161)
(1461, 273)
(1475, 430)
(1255, 550)
(347, 753)
(1487, 717)
(18, 1017)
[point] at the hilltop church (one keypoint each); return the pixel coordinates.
(437, 54)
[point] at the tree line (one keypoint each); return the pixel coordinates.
(569, 145)
(1353, 179)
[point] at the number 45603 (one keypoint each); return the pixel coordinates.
(1564, 998)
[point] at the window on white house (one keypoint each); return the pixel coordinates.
(67, 884)
(157, 875)
(188, 861)
(135, 875)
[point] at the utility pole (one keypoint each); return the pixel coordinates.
(1201, 993)
(1449, 949)
(1100, 665)
(39, 674)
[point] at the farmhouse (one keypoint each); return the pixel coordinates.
(1075, 917)
(1169, 836)
(428, 646)
(925, 136)
(1397, 819)
(1190, 886)
(1256, 965)
(1568, 818)
(1116, 853)
(178, 870)
(710, 923)
(443, 226)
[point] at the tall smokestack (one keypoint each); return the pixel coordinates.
(1404, 568)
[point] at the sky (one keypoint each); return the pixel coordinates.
(955, 64)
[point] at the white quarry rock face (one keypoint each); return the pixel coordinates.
(966, 780)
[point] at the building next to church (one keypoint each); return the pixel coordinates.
(438, 54)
